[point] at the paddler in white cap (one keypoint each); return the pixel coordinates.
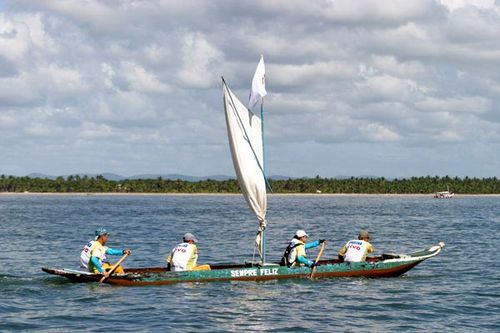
(295, 253)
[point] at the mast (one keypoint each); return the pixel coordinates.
(263, 257)
(257, 94)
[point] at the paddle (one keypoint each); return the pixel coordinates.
(317, 259)
(114, 267)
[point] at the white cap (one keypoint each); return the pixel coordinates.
(301, 233)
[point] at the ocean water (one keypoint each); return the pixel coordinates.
(457, 291)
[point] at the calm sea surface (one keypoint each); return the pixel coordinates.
(457, 291)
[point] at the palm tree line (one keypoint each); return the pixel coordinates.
(357, 185)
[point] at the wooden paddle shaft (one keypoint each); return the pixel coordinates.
(114, 267)
(317, 258)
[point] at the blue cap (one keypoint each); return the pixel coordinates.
(100, 231)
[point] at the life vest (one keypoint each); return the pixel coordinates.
(183, 257)
(290, 256)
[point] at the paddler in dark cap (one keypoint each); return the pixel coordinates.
(184, 256)
(356, 250)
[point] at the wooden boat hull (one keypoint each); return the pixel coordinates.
(384, 266)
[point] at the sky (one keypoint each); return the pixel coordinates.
(387, 88)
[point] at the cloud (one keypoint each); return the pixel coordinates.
(386, 87)
(389, 64)
(62, 81)
(140, 80)
(380, 12)
(378, 132)
(200, 62)
(8, 121)
(305, 75)
(18, 91)
(466, 104)
(14, 38)
(390, 77)
(453, 5)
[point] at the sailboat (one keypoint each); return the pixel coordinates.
(246, 142)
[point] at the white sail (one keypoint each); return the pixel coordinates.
(245, 141)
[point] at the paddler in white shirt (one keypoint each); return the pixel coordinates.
(184, 256)
(356, 250)
(98, 252)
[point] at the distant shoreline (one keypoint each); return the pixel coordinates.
(232, 194)
(99, 185)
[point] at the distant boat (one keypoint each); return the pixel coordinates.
(444, 194)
